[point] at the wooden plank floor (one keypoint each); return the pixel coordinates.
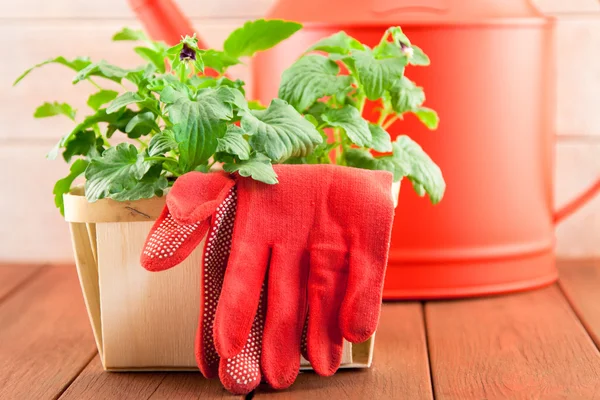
(538, 344)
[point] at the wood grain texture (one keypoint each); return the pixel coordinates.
(87, 271)
(45, 337)
(400, 368)
(580, 281)
(14, 275)
(95, 383)
(149, 319)
(192, 386)
(525, 346)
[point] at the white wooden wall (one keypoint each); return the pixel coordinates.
(33, 30)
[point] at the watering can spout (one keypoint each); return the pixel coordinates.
(163, 20)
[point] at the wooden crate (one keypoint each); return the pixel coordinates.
(143, 320)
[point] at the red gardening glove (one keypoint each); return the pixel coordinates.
(324, 230)
(174, 236)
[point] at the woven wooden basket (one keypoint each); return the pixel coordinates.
(144, 320)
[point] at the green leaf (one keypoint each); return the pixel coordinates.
(338, 43)
(377, 75)
(63, 186)
(152, 184)
(256, 105)
(142, 75)
(52, 109)
(156, 58)
(124, 100)
(198, 123)
(103, 70)
(218, 60)
(162, 143)
(170, 94)
(79, 145)
(142, 122)
(349, 119)
(428, 117)
(77, 64)
(398, 36)
(311, 77)
(406, 96)
(100, 98)
(410, 160)
(279, 131)
(234, 143)
(362, 158)
(258, 167)
(117, 170)
(317, 110)
(258, 35)
(87, 123)
(418, 57)
(381, 139)
(130, 34)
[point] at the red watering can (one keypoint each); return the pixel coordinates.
(491, 82)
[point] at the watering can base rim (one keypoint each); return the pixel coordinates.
(469, 278)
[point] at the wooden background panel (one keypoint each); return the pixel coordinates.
(32, 229)
(521, 346)
(577, 165)
(28, 43)
(578, 75)
(120, 9)
(567, 6)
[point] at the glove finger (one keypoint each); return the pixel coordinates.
(286, 313)
(195, 195)
(361, 307)
(169, 242)
(240, 296)
(303, 343)
(214, 262)
(326, 288)
(241, 374)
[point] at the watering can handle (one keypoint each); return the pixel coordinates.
(573, 205)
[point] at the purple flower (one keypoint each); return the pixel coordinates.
(406, 49)
(187, 53)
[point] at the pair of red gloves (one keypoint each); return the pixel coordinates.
(287, 268)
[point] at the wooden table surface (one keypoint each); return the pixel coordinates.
(541, 344)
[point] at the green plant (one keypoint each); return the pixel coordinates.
(179, 112)
(334, 99)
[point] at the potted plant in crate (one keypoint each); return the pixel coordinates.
(175, 117)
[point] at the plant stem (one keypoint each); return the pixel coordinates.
(158, 158)
(94, 83)
(141, 142)
(361, 107)
(382, 116)
(389, 122)
(338, 139)
(211, 164)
